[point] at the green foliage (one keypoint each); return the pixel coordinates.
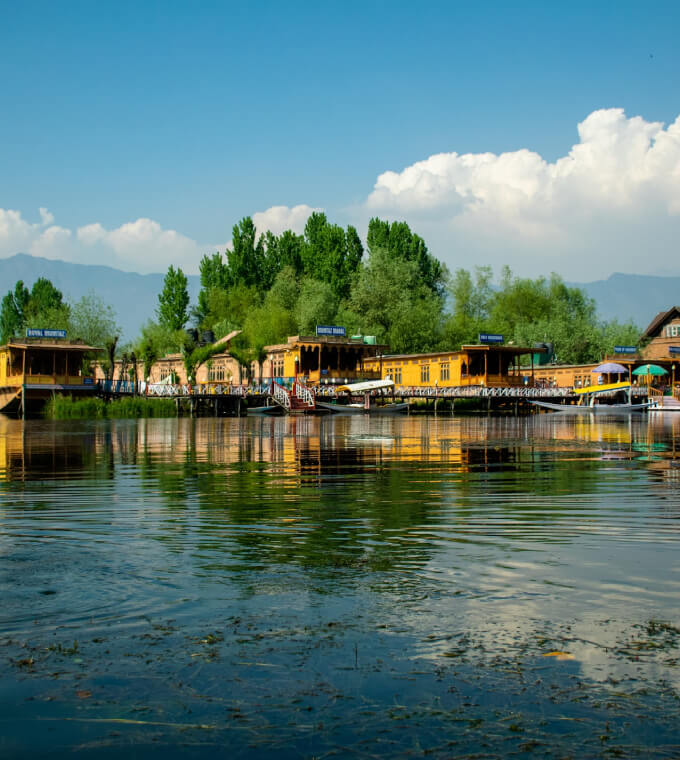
(317, 304)
(46, 307)
(472, 299)
(68, 408)
(331, 254)
(13, 311)
(528, 311)
(173, 301)
(246, 259)
(157, 340)
(93, 321)
(285, 290)
(398, 240)
(390, 301)
(214, 277)
(194, 356)
(44, 299)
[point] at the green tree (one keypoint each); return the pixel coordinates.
(246, 259)
(317, 304)
(13, 311)
(390, 301)
(214, 273)
(331, 254)
(173, 301)
(46, 308)
(471, 300)
(93, 321)
(398, 240)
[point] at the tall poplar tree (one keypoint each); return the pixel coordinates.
(173, 301)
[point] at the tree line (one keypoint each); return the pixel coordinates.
(271, 286)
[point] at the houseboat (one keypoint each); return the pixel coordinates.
(33, 369)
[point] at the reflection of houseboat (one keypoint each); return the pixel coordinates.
(31, 370)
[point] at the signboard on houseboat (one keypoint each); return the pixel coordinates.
(675, 350)
(333, 330)
(625, 349)
(35, 333)
(490, 338)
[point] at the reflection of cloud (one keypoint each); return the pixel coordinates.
(615, 193)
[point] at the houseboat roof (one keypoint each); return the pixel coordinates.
(50, 345)
(333, 340)
(465, 349)
(659, 320)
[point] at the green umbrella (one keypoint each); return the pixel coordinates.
(650, 369)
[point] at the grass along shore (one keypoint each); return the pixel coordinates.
(68, 408)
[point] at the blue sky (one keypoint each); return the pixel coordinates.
(190, 116)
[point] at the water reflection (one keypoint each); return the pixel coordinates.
(328, 545)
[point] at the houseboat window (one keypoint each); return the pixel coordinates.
(424, 373)
(397, 376)
(444, 373)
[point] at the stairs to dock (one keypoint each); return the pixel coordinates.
(300, 400)
(668, 402)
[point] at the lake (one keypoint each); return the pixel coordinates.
(346, 586)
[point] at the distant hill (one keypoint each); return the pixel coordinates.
(133, 296)
(633, 296)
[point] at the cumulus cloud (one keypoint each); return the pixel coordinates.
(611, 204)
(140, 246)
(277, 219)
(144, 245)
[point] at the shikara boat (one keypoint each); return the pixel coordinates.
(594, 409)
(369, 404)
(588, 403)
(361, 409)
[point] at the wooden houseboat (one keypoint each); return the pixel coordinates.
(31, 370)
(490, 365)
(323, 360)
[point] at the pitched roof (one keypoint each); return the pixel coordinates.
(659, 320)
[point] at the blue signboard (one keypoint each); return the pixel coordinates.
(490, 338)
(674, 349)
(35, 333)
(330, 330)
(625, 349)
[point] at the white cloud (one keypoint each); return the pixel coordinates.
(140, 246)
(611, 204)
(144, 245)
(46, 217)
(52, 243)
(277, 219)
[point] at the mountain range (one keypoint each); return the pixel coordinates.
(135, 296)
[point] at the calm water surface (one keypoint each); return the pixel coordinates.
(320, 587)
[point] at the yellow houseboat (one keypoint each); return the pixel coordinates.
(493, 366)
(31, 370)
(323, 359)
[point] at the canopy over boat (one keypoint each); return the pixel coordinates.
(610, 368)
(368, 385)
(650, 369)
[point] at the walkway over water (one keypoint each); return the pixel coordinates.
(220, 398)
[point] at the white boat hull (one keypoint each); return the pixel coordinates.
(360, 409)
(595, 409)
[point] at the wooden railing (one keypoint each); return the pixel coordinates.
(305, 394)
(281, 395)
